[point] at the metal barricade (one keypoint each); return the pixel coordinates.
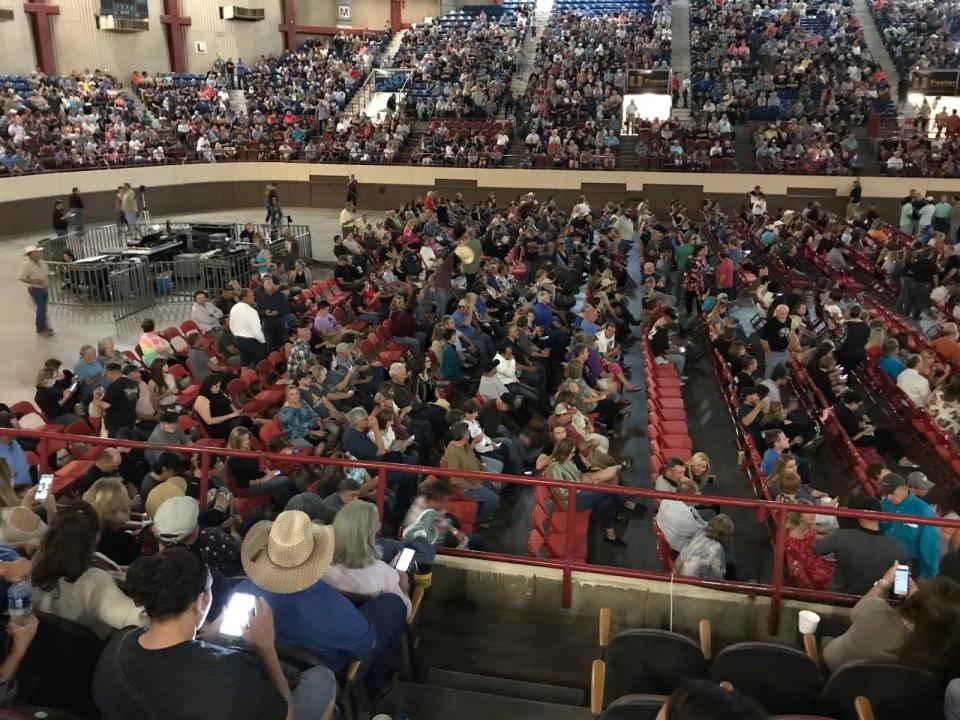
(96, 241)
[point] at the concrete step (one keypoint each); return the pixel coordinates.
(519, 689)
(238, 101)
(427, 702)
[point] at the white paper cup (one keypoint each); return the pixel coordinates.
(808, 622)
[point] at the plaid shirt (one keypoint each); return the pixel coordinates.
(300, 359)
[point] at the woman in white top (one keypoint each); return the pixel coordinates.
(66, 582)
(357, 568)
(20, 527)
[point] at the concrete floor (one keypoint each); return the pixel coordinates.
(77, 326)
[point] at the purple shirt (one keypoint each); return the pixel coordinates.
(326, 324)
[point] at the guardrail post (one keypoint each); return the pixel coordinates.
(204, 477)
(779, 546)
(381, 490)
(568, 548)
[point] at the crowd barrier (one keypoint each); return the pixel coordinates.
(776, 590)
(105, 272)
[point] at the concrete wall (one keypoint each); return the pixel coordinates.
(16, 43)
(79, 45)
(371, 14)
(531, 596)
(229, 38)
(25, 201)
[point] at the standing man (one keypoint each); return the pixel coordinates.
(245, 325)
(353, 191)
(274, 308)
(853, 204)
(128, 205)
(60, 216)
(78, 208)
(274, 213)
(35, 274)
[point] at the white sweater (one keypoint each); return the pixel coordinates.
(94, 600)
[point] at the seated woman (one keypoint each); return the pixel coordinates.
(561, 466)
(698, 470)
(107, 352)
(704, 556)
(109, 498)
(140, 665)
(55, 401)
(153, 346)
(20, 527)
(805, 568)
(162, 386)
(921, 631)
(216, 411)
(357, 568)
(300, 424)
(250, 479)
(66, 580)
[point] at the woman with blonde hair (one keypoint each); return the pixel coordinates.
(357, 568)
(107, 352)
(698, 469)
(109, 497)
(20, 527)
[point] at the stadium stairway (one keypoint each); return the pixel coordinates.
(469, 696)
(680, 37)
(871, 35)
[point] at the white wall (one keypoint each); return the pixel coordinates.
(79, 45)
(16, 43)
(230, 38)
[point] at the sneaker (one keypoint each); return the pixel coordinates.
(616, 542)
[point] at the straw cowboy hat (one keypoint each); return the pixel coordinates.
(174, 487)
(465, 254)
(288, 554)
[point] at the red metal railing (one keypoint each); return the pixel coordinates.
(776, 590)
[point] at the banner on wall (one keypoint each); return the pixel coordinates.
(648, 81)
(343, 15)
(936, 82)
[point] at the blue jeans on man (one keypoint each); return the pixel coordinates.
(39, 296)
(487, 499)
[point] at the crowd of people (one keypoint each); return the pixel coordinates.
(918, 35)
(89, 120)
(573, 107)
(807, 70)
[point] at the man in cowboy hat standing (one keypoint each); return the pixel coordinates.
(285, 560)
(35, 274)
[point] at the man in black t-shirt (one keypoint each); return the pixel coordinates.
(348, 275)
(119, 401)
(775, 338)
(923, 273)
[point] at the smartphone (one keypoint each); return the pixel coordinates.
(43, 489)
(237, 614)
(901, 580)
(276, 473)
(403, 560)
(73, 387)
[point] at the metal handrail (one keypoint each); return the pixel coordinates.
(567, 564)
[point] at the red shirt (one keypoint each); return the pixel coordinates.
(723, 277)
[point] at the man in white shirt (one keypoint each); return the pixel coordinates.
(247, 329)
(678, 521)
(914, 385)
(506, 370)
(204, 313)
(491, 384)
(607, 340)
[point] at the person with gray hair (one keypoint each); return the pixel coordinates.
(705, 555)
(89, 371)
(358, 444)
(357, 567)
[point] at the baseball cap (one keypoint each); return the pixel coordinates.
(176, 519)
(30, 249)
(919, 481)
(890, 483)
(510, 399)
(489, 365)
(129, 368)
(746, 392)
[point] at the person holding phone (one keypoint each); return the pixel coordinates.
(140, 666)
(357, 566)
(921, 631)
(56, 403)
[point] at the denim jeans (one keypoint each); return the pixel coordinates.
(773, 359)
(605, 505)
(513, 450)
(39, 297)
(315, 693)
(78, 218)
(489, 501)
(388, 615)
(252, 351)
(281, 486)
